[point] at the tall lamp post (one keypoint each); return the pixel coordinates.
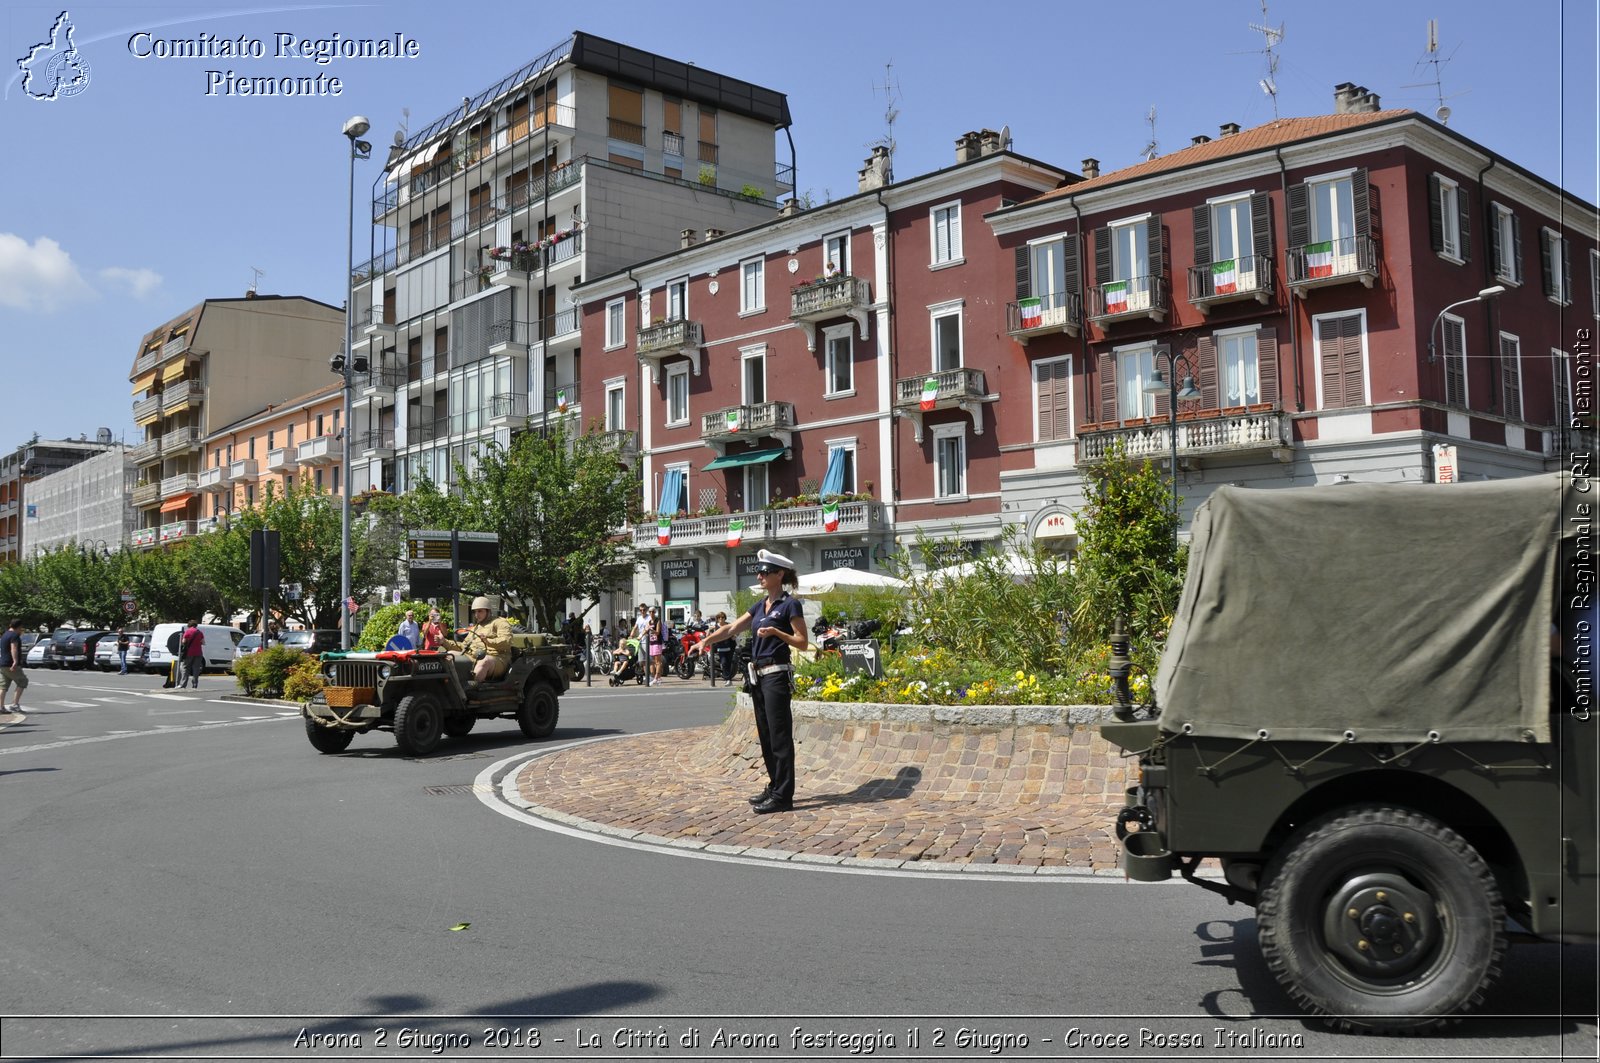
(1487, 293)
(344, 363)
(1168, 384)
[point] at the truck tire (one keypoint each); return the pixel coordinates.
(540, 709)
(328, 739)
(459, 724)
(1427, 932)
(416, 724)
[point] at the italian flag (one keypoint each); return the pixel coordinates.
(561, 401)
(735, 532)
(830, 516)
(1116, 297)
(930, 393)
(1319, 259)
(664, 530)
(733, 420)
(1032, 313)
(1225, 277)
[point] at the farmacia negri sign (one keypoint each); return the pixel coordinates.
(318, 50)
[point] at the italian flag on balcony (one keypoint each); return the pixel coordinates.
(733, 420)
(561, 400)
(664, 531)
(1031, 311)
(1225, 277)
(1319, 259)
(735, 532)
(830, 516)
(930, 393)
(1116, 297)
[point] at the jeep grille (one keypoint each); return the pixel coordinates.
(355, 674)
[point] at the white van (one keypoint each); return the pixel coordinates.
(220, 646)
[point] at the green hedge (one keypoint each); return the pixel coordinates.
(386, 622)
(266, 674)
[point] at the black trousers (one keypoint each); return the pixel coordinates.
(775, 729)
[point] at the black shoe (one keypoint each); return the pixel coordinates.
(756, 799)
(773, 803)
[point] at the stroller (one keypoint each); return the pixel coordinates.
(626, 663)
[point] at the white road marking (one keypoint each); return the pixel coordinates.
(170, 712)
(167, 697)
(164, 729)
(74, 704)
(115, 701)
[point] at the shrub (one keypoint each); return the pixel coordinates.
(304, 680)
(386, 621)
(263, 675)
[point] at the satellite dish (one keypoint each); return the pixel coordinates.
(1444, 114)
(399, 138)
(1005, 138)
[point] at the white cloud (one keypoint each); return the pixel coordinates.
(138, 282)
(39, 276)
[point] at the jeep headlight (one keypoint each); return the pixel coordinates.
(327, 671)
(383, 671)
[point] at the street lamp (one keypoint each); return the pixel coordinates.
(1175, 394)
(344, 363)
(1487, 293)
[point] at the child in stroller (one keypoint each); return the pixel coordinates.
(625, 663)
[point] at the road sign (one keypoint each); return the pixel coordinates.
(130, 607)
(431, 563)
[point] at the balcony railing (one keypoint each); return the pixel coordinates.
(385, 376)
(1236, 278)
(563, 177)
(376, 441)
(735, 421)
(564, 249)
(1334, 262)
(625, 131)
(784, 178)
(565, 323)
(505, 409)
(243, 469)
(175, 346)
(213, 479)
(671, 143)
(178, 440)
(1135, 297)
(671, 337)
(562, 397)
(178, 529)
(215, 522)
(145, 452)
(146, 494)
(147, 410)
(144, 538)
(148, 360)
(1209, 434)
(179, 393)
(943, 389)
(801, 522)
(182, 483)
(321, 450)
(1045, 313)
(380, 320)
(626, 440)
(828, 298)
(281, 459)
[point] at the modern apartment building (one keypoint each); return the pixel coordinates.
(87, 504)
(589, 158)
(211, 366)
(25, 465)
(297, 441)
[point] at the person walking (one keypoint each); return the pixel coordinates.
(779, 624)
(123, 642)
(192, 645)
(656, 641)
(410, 630)
(11, 661)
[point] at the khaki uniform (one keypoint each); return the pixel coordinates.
(492, 640)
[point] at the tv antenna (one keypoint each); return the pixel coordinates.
(1431, 57)
(1152, 149)
(891, 110)
(1273, 38)
(256, 273)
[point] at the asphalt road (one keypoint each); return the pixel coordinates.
(193, 870)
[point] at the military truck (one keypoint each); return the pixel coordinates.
(1371, 723)
(423, 696)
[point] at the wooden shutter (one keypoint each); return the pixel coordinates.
(1350, 356)
(1511, 375)
(1497, 251)
(1046, 400)
(1463, 224)
(1024, 273)
(1209, 398)
(1107, 364)
(1054, 380)
(1455, 362)
(1331, 346)
(1299, 216)
(1158, 256)
(1435, 213)
(1072, 280)
(1102, 256)
(1566, 271)
(1261, 225)
(1202, 235)
(1516, 249)
(1547, 264)
(1164, 398)
(1267, 364)
(1360, 199)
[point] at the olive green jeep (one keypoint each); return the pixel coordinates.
(423, 695)
(1372, 723)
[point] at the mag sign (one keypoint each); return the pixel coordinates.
(862, 655)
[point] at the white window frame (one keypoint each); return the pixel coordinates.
(677, 371)
(831, 335)
(616, 324)
(941, 434)
(1509, 269)
(752, 286)
(847, 444)
(947, 216)
(680, 289)
(1237, 205)
(836, 256)
(1516, 414)
(746, 356)
(1127, 385)
(688, 492)
(1366, 359)
(1050, 290)
(1450, 219)
(754, 499)
(1558, 276)
(1072, 403)
(937, 312)
(1445, 320)
(617, 399)
(1220, 340)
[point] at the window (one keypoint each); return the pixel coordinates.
(1511, 375)
(1127, 260)
(752, 296)
(1052, 399)
(839, 357)
(946, 233)
(249, 494)
(1230, 231)
(1555, 267)
(1561, 378)
(678, 394)
(1507, 244)
(615, 411)
(288, 435)
(336, 479)
(1340, 353)
(840, 477)
(1136, 367)
(836, 253)
(1454, 330)
(616, 332)
(318, 476)
(272, 438)
(679, 501)
(1447, 217)
(288, 482)
(755, 486)
(678, 299)
(949, 461)
(1051, 278)
(753, 373)
(1239, 368)
(319, 432)
(946, 324)
(250, 449)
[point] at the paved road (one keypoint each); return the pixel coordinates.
(174, 855)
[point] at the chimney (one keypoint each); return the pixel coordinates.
(1197, 141)
(791, 207)
(712, 234)
(967, 147)
(989, 142)
(875, 172)
(1343, 93)
(1228, 129)
(1091, 168)
(249, 293)
(1365, 102)
(686, 238)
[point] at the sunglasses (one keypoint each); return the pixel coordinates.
(767, 571)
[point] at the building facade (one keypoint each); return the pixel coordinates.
(87, 504)
(22, 467)
(297, 442)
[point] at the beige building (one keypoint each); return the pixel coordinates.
(212, 366)
(293, 443)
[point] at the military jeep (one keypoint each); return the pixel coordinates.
(422, 696)
(1365, 727)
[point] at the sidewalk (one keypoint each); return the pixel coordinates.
(919, 796)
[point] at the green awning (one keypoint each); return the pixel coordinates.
(749, 457)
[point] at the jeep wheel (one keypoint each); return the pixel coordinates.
(416, 724)
(540, 708)
(459, 724)
(328, 739)
(1381, 919)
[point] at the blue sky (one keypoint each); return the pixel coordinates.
(139, 196)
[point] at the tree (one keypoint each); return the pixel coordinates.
(1129, 562)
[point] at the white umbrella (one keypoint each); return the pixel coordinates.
(841, 579)
(1021, 569)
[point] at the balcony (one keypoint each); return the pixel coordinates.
(949, 389)
(178, 529)
(147, 411)
(563, 398)
(513, 265)
(174, 347)
(379, 324)
(625, 440)
(144, 538)
(146, 494)
(1351, 258)
(507, 410)
(146, 362)
(508, 337)
(209, 480)
(564, 247)
(321, 450)
(745, 423)
(858, 519)
(671, 144)
(1043, 315)
(243, 469)
(376, 443)
(183, 483)
(670, 339)
(564, 328)
(281, 459)
(841, 296)
(625, 131)
(1129, 300)
(181, 395)
(1231, 281)
(180, 440)
(146, 452)
(216, 522)
(1250, 430)
(380, 378)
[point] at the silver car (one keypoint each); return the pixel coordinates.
(105, 652)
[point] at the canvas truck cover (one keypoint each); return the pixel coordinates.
(1386, 611)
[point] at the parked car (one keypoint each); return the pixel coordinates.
(318, 641)
(251, 643)
(105, 651)
(77, 650)
(220, 645)
(42, 654)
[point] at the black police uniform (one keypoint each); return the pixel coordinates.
(774, 718)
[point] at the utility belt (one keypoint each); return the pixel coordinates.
(755, 670)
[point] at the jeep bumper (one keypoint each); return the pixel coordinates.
(359, 716)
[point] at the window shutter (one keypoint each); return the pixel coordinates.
(1455, 363)
(1202, 235)
(1261, 224)
(1299, 216)
(1547, 269)
(1061, 375)
(1157, 262)
(1072, 281)
(1435, 212)
(1208, 373)
(1566, 271)
(1516, 249)
(1045, 400)
(1360, 199)
(1463, 224)
(1511, 375)
(1024, 273)
(1331, 348)
(1102, 256)
(1108, 387)
(1350, 331)
(1164, 399)
(1267, 364)
(1497, 251)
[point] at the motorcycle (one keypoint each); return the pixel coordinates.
(685, 663)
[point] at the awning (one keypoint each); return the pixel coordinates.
(1057, 524)
(146, 382)
(176, 502)
(172, 371)
(749, 457)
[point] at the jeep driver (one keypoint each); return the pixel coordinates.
(487, 643)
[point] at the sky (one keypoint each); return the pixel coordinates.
(143, 193)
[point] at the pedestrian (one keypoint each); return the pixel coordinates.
(779, 624)
(641, 624)
(604, 636)
(432, 631)
(11, 661)
(123, 642)
(409, 630)
(192, 647)
(656, 641)
(724, 650)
